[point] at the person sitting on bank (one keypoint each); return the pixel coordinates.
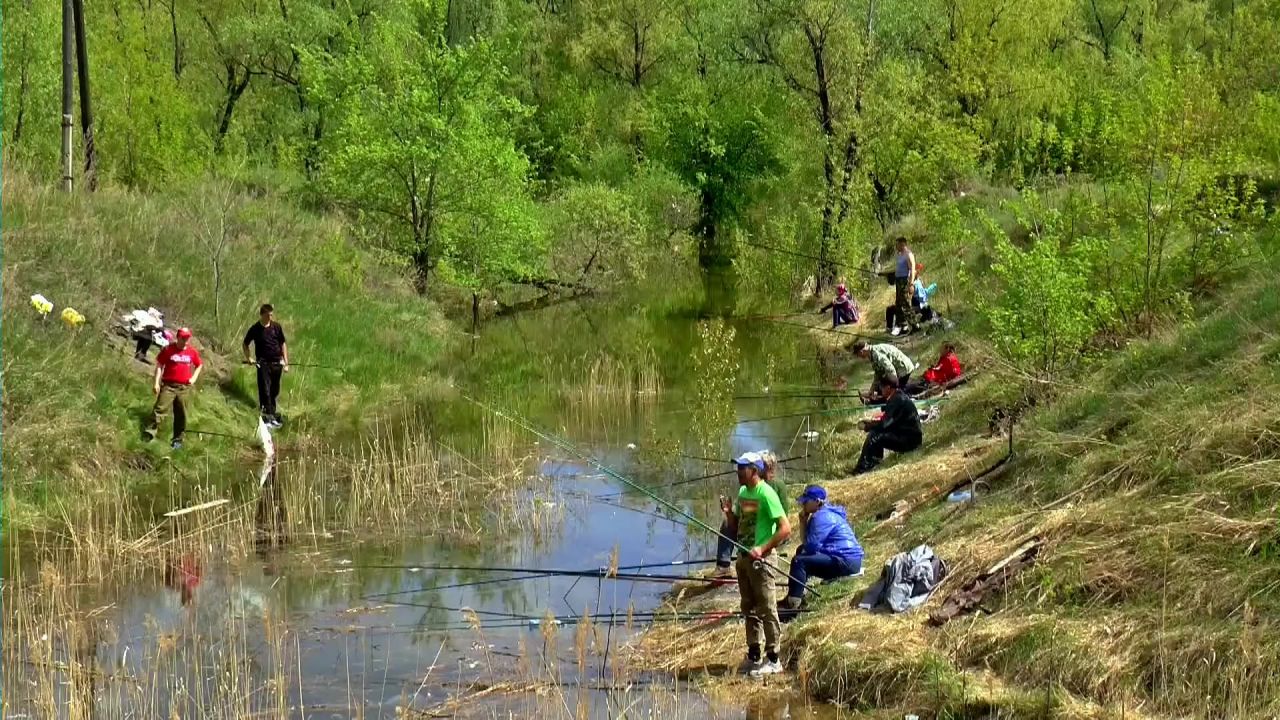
(844, 309)
(920, 297)
(757, 520)
(724, 544)
(898, 429)
(945, 372)
(887, 362)
(272, 353)
(177, 369)
(830, 548)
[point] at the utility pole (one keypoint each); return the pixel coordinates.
(66, 94)
(86, 108)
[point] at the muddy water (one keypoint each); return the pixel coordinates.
(327, 627)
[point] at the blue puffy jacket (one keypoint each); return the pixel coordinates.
(829, 532)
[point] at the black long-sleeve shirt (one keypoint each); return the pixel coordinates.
(900, 417)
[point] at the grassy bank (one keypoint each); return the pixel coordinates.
(1150, 479)
(74, 400)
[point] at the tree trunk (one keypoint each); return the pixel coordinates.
(236, 86)
(86, 96)
(177, 40)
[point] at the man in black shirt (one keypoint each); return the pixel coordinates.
(898, 430)
(267, 338)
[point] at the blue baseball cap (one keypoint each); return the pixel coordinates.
(750, 458)
(813, 492)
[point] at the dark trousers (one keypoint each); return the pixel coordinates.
(269, 372)
(902, 303)
(842, 315)
(819, 565)
(877, 442)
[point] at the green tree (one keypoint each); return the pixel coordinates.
(422, 148)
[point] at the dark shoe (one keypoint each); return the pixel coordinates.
(275, 422)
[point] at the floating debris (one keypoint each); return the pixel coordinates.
(810, 435)
(194, 508)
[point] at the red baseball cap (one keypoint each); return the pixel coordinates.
(184, 333)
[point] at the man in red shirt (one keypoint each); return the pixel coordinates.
(177, 369)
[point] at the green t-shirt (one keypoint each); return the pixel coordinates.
(758, 512)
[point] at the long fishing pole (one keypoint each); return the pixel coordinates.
(293, 364)
(218, 434)
(565, 446)
(923, 403)
(613, 618)
(829, 261)
(531, 574)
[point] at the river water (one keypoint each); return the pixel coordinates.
(334, 623)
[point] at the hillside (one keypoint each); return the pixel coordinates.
(1151, 487)
(74, 400)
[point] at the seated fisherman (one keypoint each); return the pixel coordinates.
(844, 309)
(724, 544)
(887, 362)
(898, 429)
(830, 548)
(942, 374)
(920, 297)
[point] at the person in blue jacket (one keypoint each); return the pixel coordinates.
(830, 548)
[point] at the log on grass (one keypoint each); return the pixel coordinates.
(994, 579)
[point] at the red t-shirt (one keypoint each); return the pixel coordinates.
(947, 369)
(177, 366)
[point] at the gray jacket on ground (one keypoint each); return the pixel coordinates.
(906, 581)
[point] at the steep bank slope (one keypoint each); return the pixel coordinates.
(1151, 484)
(74, 400)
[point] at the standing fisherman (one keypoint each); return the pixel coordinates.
(177, 369)
(724, 544)
(267, 338)
(904, 279)
(759, 522)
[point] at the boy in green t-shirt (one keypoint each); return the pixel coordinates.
(759, 523)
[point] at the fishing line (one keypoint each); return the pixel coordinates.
(565, 446)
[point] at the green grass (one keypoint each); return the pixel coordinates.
(73, 400)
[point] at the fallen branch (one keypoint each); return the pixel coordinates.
(994, 579)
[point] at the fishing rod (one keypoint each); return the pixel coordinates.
(565, 446)
(614, 618)
(794, 396)
(924, 403)
(293, 364)
(532, 574)
(218, 434)
(828, 261)
(686, 481)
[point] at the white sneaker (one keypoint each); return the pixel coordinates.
(750, 667)
(767, 668)
(896, 331)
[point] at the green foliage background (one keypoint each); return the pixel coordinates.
(1119, 155)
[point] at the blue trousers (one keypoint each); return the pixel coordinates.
(820, 565)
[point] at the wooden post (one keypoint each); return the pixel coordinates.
(86, 107)
(66, 94)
